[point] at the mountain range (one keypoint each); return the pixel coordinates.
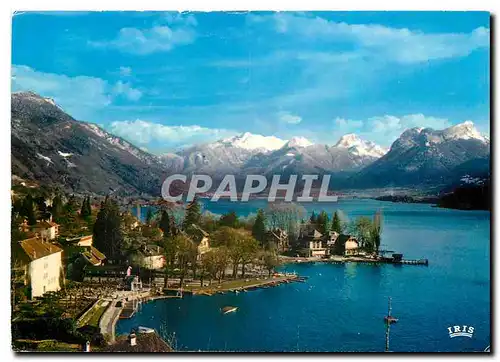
(49, 146)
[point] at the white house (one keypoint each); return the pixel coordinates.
(201, 239)
(42, 264)
(81, 240)
(48, 230)
(312, 241)
(351, 246)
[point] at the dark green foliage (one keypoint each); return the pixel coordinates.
(259, 227)
(149, 216)
(57, 208)
(164, 223)
(323, 223)
(86, 209)
(230, 219)
(313, 218)
(29, 210)
(193, 215)
(336, 223)
(108, 236)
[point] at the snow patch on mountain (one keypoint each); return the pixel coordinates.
(465, 131)
(253, 142)
(360, 147)
(64, 154)
(298, 142)
(48, 159)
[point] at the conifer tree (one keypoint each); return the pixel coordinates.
(259, 227)
(313, 218)
(85, 210)
(108, 236)
(336, 223)
(164, 223)
(193, 215)
(29, 210)
(57, 208)
(323, 223)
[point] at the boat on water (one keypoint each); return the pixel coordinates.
(229, 309)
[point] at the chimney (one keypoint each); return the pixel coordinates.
(86, 348)
(132, 339)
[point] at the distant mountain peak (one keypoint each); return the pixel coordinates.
(360, 147)
(250, 141)
(465, 130)
(298, 142)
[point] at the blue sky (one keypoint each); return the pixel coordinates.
(165, 80)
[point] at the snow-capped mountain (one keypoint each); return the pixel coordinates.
(252, 142)
(360, 147)
(298, 142)
(251, 153)
(425, 155)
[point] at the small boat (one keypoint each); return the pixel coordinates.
(229, 309)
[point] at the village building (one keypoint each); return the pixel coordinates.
(347, 245)
(41, 262)
(85, 240)
(93, 256)
(279, 238)
(46, 229)
(313, 244)
(154, 257)
(331, 238)
(201, 239)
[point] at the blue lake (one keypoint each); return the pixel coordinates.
(341, 307)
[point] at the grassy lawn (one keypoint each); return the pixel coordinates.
(92, 318)
(49, 345)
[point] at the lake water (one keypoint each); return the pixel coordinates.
(341, 307)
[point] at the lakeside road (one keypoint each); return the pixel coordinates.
(108, 320)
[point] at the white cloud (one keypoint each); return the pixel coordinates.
(144, 133)
(126, 90)
(73, 93)
(400, 45)
(287, 117)
(178, 30)
(125, 71)
(80, 96)
(387, 128)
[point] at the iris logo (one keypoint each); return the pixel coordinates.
(460, 331)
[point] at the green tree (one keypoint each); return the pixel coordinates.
(323, 223)
(86, 209)
(271, 261)
(29, 210)
(185, 251)
(313, 219)
(376, 231)
(57, 208)
(193, 215)
(108, 236)
(362, 229)
(149, 216)
(249, 247)
(169, 252)
(230, 219)
(259, 227)
(164, 223)
(336, 223)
